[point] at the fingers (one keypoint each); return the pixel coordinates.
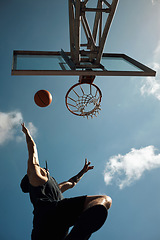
(23, 126)
(91, 167)
(87, 165)
(86, 162)
(24, 129)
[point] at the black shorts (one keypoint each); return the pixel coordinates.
(53, 222)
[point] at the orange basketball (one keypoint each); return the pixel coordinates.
(43, 98)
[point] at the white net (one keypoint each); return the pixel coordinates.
(84, 99)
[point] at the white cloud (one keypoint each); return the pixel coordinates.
(155, 1)
(125, 169)
(9, 123)
(151, 85)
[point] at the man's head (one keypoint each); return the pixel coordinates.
(25, 184)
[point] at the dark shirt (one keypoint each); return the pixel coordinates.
(48, 192)
(45, 200)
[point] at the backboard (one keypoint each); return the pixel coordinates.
(86, 58)
(60, 63)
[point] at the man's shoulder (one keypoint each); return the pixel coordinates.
(37, 176)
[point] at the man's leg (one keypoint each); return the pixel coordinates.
(97, 200)
(93, 217)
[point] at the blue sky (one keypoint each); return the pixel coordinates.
(122, 143)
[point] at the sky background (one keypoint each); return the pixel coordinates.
(123, 142)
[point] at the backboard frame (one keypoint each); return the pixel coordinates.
(145, 71)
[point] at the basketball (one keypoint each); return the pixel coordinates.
(43, 98)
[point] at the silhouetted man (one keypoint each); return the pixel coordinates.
(54, 214)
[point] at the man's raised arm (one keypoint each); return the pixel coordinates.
(74, 180)
(32, 149)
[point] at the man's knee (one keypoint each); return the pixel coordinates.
(98, 200)
(106, 201)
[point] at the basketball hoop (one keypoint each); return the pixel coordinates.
(83, 99)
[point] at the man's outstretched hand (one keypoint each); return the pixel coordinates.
(24, 129)
(86, 167)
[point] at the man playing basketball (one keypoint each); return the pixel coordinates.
(54, 214)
